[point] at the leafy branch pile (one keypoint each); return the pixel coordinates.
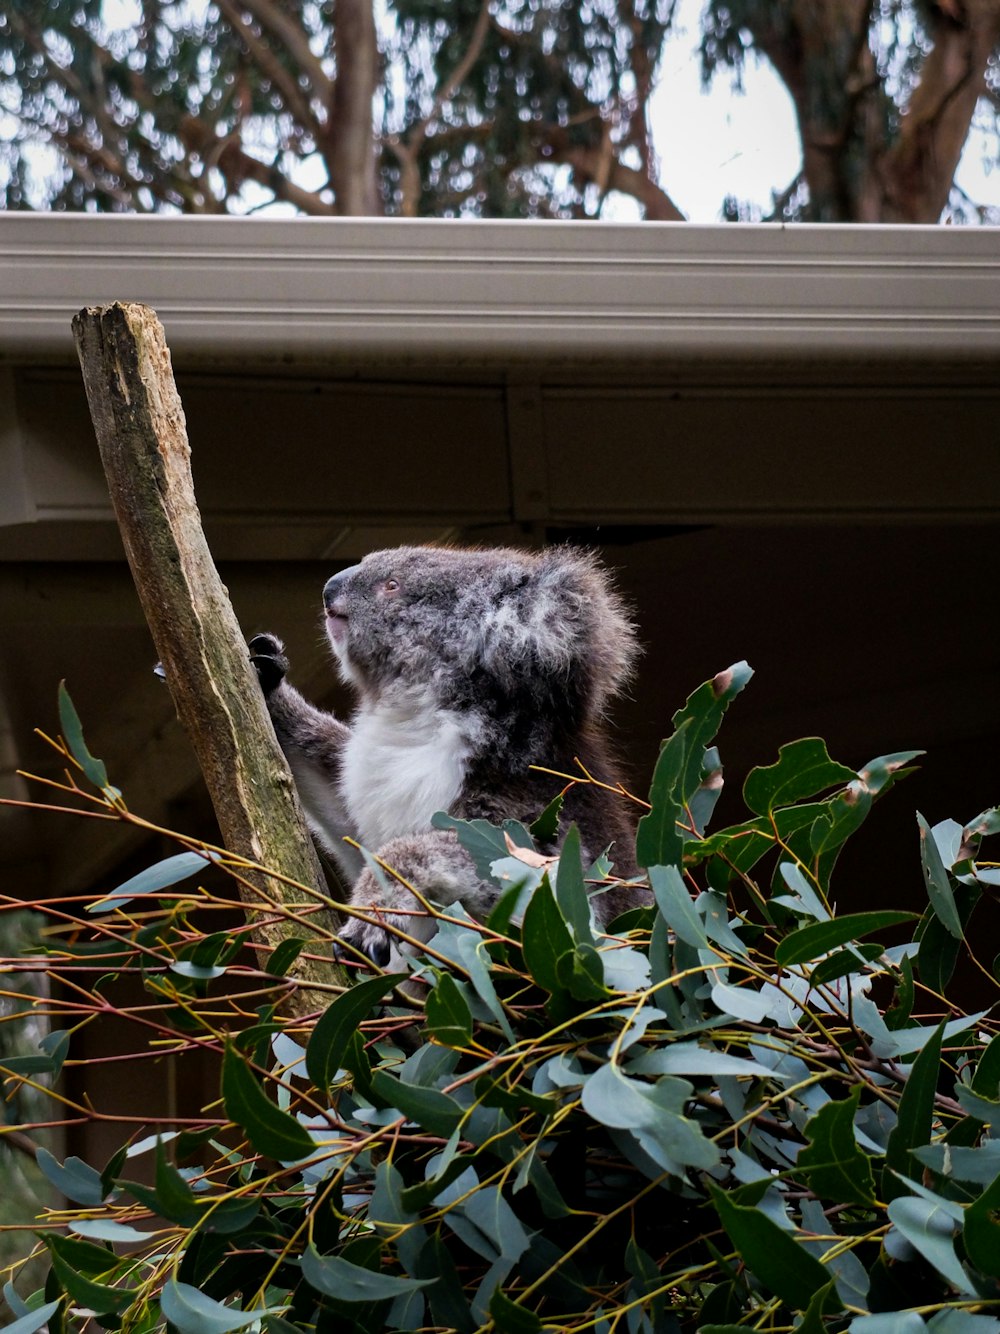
(735, 1110)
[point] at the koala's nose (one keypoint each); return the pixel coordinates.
(333, 590)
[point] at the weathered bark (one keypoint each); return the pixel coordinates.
(854, 170)
(920, 167)
(139, 422)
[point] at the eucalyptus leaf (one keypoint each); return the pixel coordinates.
(653, 1113)
(915, 1116)
(894, 1322)
(161, 875)
(673, 899)
(84, 1256)
(13, 1301)
(197, 972)
(712, 908)
(464, 946)
(270, 1130)
(700, 718)
(72, 729)
(843, 963)
(100, 1298)
(571, 889)
(741, 1002)
(496, 1220)
(803, 769)
(929, 1229)
(74, 1178)
(106, 1229)
(580, 972)
(54, 1049)
(337, 1025)
(833, 1165)
(983, 1109)
(284, 955)
(660, 839)
(987, 822)
(980, 1165)
(510, 1318)
(905, 1041)
(689, 1058)
(434, 1111)
(743, 845)
(192, 1312)
(939, 888)
(27, 1324)
(703, 801)
(775, 1258)
(953, 1320)
(337, 1277)
(545, 938)
(986, 1080)
(449, 1019)
(809, 942)
(546, 827)
(803, 898)
(981, 1231)
(686, 771)
(485, 843)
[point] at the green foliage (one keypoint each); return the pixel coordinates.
(730, 1110)
(532, 108)
(201, 108)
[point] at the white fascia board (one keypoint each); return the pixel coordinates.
(505, 292)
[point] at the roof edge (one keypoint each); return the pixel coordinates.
(505, 292)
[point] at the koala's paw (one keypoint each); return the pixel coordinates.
(373, 941)
(267, 653)
(389, 908)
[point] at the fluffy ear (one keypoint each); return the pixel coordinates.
(596, 619)
(565, 620)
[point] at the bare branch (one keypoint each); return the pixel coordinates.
(298, 105)
(592, 166)
(238, 166)
(408, 153)
(457, 76)
(293, 38)
(140, 428)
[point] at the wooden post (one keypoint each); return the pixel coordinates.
(139, 421)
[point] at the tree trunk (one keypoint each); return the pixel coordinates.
(921, 165)
(141, 433)
(858, 168)
(349, 143)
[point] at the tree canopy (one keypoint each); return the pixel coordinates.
(529, 108)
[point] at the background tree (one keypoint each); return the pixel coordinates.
(467, 107)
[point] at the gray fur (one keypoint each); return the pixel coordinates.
(470, 667)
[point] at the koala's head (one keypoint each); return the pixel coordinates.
(463, 623)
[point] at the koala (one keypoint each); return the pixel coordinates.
(470, 667)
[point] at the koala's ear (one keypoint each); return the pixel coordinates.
(567, 620)
(606, 646)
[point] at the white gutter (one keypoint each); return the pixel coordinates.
(506, 292)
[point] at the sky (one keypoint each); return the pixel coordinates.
(717, 141)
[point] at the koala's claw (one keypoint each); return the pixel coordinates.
(371, 940)
(267, 653)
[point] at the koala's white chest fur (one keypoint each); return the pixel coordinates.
(401, 763)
